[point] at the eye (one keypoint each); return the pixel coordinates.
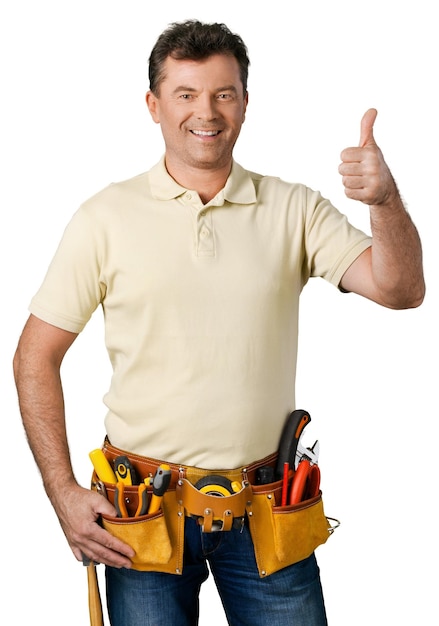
(224, 96)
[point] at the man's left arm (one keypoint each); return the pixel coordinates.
(390, 271)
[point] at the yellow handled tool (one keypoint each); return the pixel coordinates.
(160, 483)
(102, 467)
(125, 471)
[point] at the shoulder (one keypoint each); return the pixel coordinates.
(119, 191)
(272, 188)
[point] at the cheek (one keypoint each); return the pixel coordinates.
(169, 120)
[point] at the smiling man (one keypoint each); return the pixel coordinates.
(200, 106)
(198, 265)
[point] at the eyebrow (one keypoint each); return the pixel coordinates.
(193, 90)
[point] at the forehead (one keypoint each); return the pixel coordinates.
(214, 72)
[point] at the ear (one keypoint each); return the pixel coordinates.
(153, 105)
(245, 106)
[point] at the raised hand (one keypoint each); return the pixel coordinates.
(366, 176)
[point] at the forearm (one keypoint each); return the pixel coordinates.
(37, 364)
(42, 409)
(396, 255)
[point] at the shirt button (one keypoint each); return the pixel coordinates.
(205, 232)
(188, 196)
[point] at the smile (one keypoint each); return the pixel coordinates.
(206, 133)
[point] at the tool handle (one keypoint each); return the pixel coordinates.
(296, 422)
(119, 500)
(160, 483)
(299, 482)
(102, 467)
(125, 471)
(161, 480)
(142, 507)
(286, 472)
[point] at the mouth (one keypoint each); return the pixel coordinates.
(205, 133)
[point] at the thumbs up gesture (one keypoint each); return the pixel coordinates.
(366, 176)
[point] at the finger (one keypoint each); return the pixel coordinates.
(102, 547)
(353, 182)
(350, 168)
(110, 542)
(366, 134)
(104, 507)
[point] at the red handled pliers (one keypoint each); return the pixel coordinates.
(306, 481)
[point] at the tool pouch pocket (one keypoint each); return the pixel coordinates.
(156, 538)
(214, 513)
(283, 535)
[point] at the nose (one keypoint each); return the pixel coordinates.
(206, 107)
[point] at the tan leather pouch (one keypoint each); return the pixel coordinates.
(284, 535)
(157, 539)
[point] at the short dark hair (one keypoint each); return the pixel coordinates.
(195, 40)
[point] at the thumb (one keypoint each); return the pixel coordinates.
(366, 135)
(104, 507)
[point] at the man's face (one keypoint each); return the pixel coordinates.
(200, 108)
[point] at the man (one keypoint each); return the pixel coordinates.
(198, 265)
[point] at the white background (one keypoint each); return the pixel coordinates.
(73, 119)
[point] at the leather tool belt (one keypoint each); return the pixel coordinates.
(281, 535)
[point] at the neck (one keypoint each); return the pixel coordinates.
(206, 182)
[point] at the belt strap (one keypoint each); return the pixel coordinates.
(148, 466)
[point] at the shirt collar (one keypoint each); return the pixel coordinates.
(239, 187)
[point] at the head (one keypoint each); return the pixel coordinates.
(195, 41)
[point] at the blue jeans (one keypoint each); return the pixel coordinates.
(291, 597)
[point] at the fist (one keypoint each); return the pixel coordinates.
(364, 172)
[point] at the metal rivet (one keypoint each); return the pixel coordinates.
(177, 570)
(249, 513)
(269, 496)
(264, 573)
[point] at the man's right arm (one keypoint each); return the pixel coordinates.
(37, 364)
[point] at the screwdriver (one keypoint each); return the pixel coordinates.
(160, 483)
(102, 467)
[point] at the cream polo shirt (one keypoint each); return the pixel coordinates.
(200, 305)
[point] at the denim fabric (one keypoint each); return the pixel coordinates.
(290, 597)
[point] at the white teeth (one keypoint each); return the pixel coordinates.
(205, 133)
